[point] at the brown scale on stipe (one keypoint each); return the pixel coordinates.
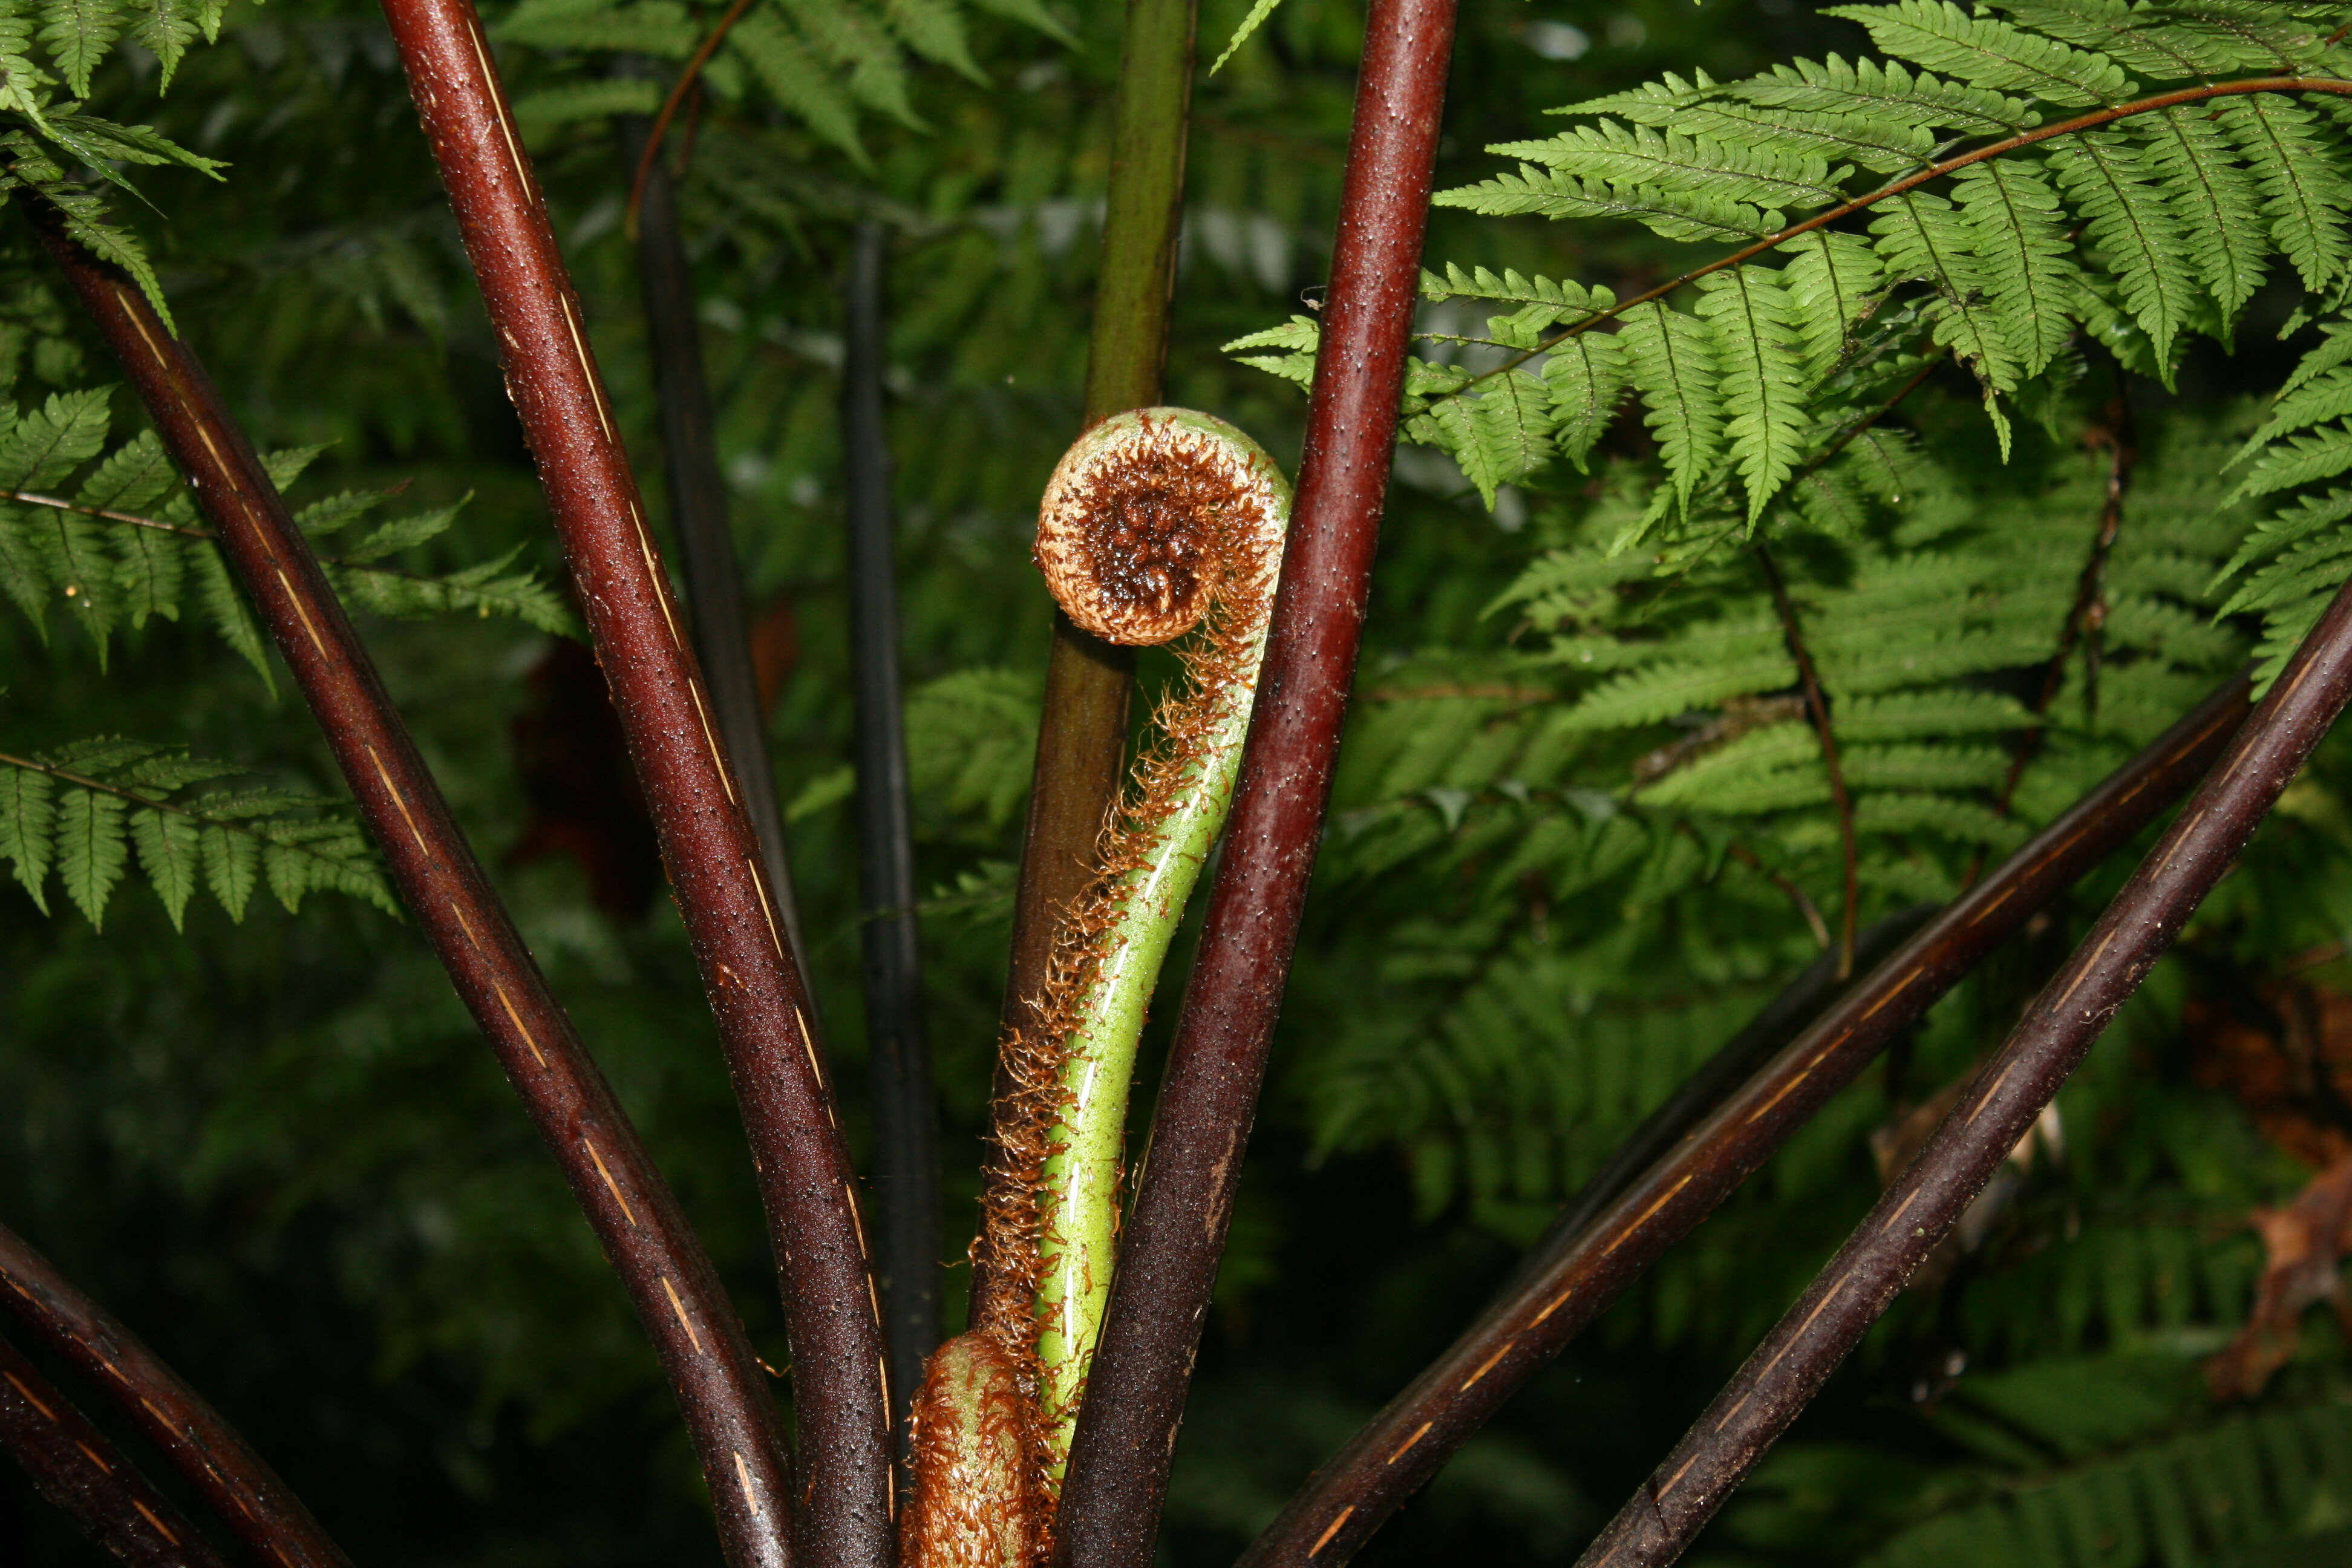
(1152, 526)
(974, 1504)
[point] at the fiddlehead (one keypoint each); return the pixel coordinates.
(1157, 521)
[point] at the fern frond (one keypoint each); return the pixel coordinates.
(2118, 190)
(786, 65)
(168, 27)
(1669, 92)
(2149, 41)
(1989, 54)
(847, 39)
(935, 31)
(2306, 403)
(1832, 280)
(78, 34)
(1500, 435)
(2305, 191)
(1565, 301)
(1884, 93)
(1920, 235)
(1586, 377)
(2272, 38)
(1534, 192)
(1756, 343)
(1287, 351)
(1638, 158)
(2030, 273)
(548, 107)
(1795, 135)
(2248, 1483)
(2215, 201)
(1670, 358)
(79, 811)
(2298, 461)
(662, 28)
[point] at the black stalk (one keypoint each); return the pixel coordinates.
(698, 513)
(906, 1115)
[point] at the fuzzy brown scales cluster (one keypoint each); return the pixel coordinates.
(1195, 514)
(1136, 543)
(974, 1504)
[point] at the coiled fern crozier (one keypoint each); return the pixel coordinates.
(1157, 521)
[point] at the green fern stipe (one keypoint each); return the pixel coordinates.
(1155, 522)
(79, 812)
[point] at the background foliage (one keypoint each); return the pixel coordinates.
(1580, 829)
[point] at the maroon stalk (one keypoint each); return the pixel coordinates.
(239, 1483)
(1583, 1263)
(832, 1312)
(1117, 1477)
(2059, 1028)
(677, 1296)
(75, 1467)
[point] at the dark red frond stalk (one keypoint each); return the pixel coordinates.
(677, 1296)
(75, 1467)
(840, 1403)
(1168, 1257)
(1698, 1147)
(2058, 1029)
(243, 1490)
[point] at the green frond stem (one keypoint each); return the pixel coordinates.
(1792, 631)
(1231, 506)
(2204, 93)
(1090, 683)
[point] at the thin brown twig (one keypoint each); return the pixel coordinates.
(1795, 894)
(686, 79)
(1792, 632)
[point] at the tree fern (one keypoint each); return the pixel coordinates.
(79, 812)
